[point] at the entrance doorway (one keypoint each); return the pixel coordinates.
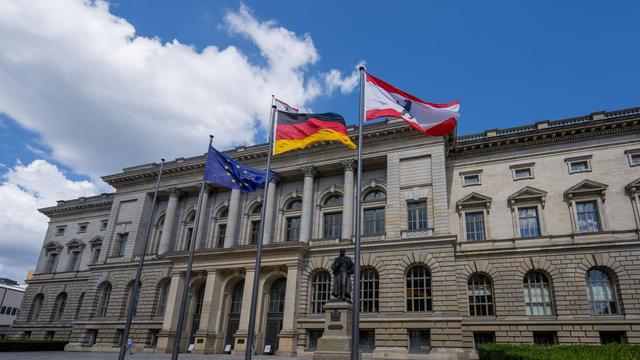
(274, 314)
(233, 318)
(197, 312)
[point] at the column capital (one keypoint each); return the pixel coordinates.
(208, 188)
(349, 164)
(309, 171)
(174, 192)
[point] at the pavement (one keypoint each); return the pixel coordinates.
(61, 355)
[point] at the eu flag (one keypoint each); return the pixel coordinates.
(230, 173)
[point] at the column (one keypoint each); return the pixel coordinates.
(288, 335)
(166, 338)
(347, 200)
(201, 239)
(233, 220)
(307, 203)
(169, 220)
(243, 328)
(207, 333)
(268, 216)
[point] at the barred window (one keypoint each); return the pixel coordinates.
(537, 294)
(320, 291)
(418, 289)
(480, 296)
(369, 290)
(417, 215)
(600, 293)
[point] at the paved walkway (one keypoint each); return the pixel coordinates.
(60, 355)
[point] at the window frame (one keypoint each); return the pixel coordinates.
(83, 227)
(615, 300)
(596, 213)
(578, 159)
(331, 210)
(488, 305)
(418, 222)
(519, 167)
(378, 223)
(372, 290)
(427, 280)
(336, 232)
(465, 175)
(527, 287)
(466, 226)
(60, 230)
(288, 220)
(120, 248)
(319, 289)
(538, 221)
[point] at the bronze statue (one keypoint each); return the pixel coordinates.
(342, 269)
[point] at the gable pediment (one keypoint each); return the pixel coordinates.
(53, 246)
(586, 187)
(75, 243)
(633, 187)
(96, 241)
(474, 199)
(528, 193)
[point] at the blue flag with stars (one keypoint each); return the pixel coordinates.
(227, 172)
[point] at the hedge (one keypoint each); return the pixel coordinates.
(558, 352)
(32, 345)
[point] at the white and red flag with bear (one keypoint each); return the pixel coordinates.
(384, 100)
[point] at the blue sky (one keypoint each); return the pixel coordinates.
(89, 88)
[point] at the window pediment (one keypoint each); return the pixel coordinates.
(474, 199)
(586, 187)
(96, 241)
(75, 243)
(527, 193)
(53, 246)
(633, 187)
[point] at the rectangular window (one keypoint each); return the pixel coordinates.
(475, 225)
(332, 225)
(254, 235)
(74, 261)
(634, 159)
(152, 338)
(293, 229)
(579, 166)
(222, 232)
(419, 341)
(14, 311)
(103, 225)
(524, 173)
(483, 337)
(118, 338)
(3, 309)
(314, 335)
(121, 244)
(417, 215)
(367, 340)
(613, 337)
(49, 335)
(51, 263)
(528, 220)
(92, 337)
(588, 218)
(82, 227)
(374, 221)
(544, 338)
(60, 230)
(473, 179)
(96, 255)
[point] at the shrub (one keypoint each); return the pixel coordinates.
(559, 352)
(32, 345)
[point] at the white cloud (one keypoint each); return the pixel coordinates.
(24, 189)
(102, 97)
(335, 80)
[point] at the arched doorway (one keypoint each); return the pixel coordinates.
(233, 318)
(275, 311)
(195, 317)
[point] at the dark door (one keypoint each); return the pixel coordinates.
(274, 314)
(233, 320)
(197, 312)
(232, 327)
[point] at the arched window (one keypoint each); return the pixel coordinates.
(236, 298)
(163, 295)
(320, 290)
(419, 289)
(257, 210)
(76, 316)
(58, 307)
(254, 224)
(601, 293)
(221, 229)
(36, 307)
(103, 300)
(292, 219)
(369, 290)
(157, 235)
(333, 200)
(375, 195)
(295, 204)
(537, 294)
(373, 212)
(332, 214)
(188, 233)
(277, 295)
(480, 296)
(126, 304)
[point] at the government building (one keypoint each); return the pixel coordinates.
(522, 235)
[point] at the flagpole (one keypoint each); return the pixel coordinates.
(256, 276)
(355, 321)
(136, 285)
(187, 278)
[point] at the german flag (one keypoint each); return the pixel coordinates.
(299, 130)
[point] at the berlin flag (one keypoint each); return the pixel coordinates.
(384, 100)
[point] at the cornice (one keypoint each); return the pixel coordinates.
(99, 202)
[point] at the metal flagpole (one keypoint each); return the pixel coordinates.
(355, 321)
(136, 285)
(187, 278)
(256, 276)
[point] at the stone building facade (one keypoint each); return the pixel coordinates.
(521, 235)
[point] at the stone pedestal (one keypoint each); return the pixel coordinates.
(335, 343)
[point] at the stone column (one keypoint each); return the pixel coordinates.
(201, 238)
(243, 327)
(169, 220)
(166, 337)
(233, 220)
(207, 333)
(287, 345)
(268, 216)
(347, 200)
(307, 203)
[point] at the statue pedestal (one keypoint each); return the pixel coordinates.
(335, 343)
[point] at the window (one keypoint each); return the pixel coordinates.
(613, 337)
(60, 230)
(103, 225)
(222, 232)
(74, 261)
(373, 221)
(2, 310)
(293, 229)
(522, 171)
(375, 195)
(82, 227)
(152, 338)
(254, 234)
(333, 200)
(314, 335)
(58, 307)
(483, 337)
(118, 338)
(276, 296)
(52, 260)
(418, 289)
(588, 218)
(163, 295)
(26, 335)
(14, 311)
(236, 298)
(600, 293)
(320, 291)
(419, 341)
(475, 225)
(76, 315)
(528, 221)
(332, 225)
(36, 307)
(471, 179)
(635, 159)
(103, 301)
(49, 335)
(579, 164)
(92, 336)
(480, 296)
(121, 244)
(545, 337)
(537, 294)
(96, 255)
(127, 302)
(369, 290)
(295, 204)
(367, 341)
(417, 215)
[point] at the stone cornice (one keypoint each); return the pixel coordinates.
(98, 202)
